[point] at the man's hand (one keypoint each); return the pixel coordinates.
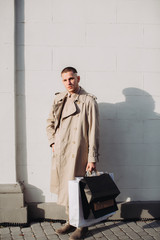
(52, 147)
(91, 166)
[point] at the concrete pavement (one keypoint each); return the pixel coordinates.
(110, 230)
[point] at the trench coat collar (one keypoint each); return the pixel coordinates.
(60, 100)
(80, 96)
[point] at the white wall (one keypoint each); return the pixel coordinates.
(115, 45)
(7, 94)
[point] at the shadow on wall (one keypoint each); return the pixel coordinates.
(130, 147)
(31, 193)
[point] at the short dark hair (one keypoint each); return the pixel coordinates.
(69, 69)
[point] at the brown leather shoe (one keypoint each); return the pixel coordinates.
(79, 233)
(66, 228)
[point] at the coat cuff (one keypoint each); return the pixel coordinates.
(51, 144)
(51, 141)
(94, 157)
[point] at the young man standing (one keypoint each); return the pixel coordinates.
(73, 133)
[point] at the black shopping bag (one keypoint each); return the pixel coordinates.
(98, 194)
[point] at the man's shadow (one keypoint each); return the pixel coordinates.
(130, 147)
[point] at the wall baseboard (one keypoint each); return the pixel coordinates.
(126, 210)
(12, 208)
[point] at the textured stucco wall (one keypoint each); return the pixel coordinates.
(115, 45)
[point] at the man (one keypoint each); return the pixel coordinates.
(73, 133)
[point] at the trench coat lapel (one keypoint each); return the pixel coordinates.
(58, 111)
(59, 107)
(72, 110)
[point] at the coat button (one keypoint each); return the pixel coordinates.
(74, 142)
(72, 155)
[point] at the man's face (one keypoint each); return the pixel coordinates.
(71, 81)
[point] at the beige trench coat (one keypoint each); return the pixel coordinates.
(75, 137)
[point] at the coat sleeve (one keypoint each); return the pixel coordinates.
(51, 127)
(93, 131)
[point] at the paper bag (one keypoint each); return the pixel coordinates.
(76, 217)
(98, 193)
